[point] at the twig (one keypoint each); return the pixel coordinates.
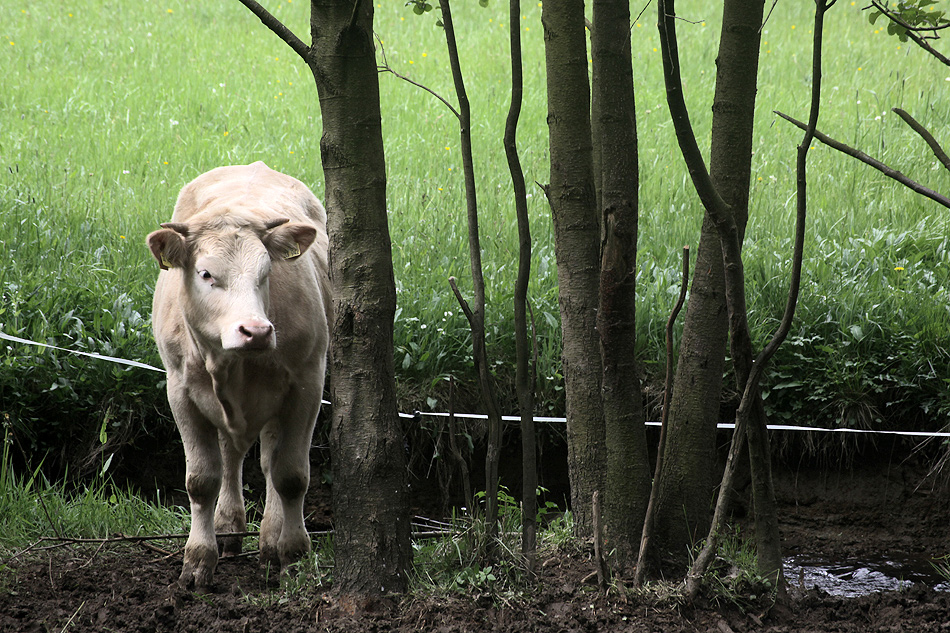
(895, 18)
(642, 11)
(279, 29)
(93, 557)
(876, 164)
(73, 617)
(600, 564)
(386, 68)
(926, 135)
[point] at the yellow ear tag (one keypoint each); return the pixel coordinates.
(165, 263)
(294, 252)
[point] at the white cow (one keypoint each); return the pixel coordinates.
(240, 315)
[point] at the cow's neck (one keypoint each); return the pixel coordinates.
(226, 371)
(226, 381)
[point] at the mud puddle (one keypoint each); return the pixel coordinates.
(852, 579)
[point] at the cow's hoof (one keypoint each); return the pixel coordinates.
(230, 545)
(195, 578)
(270, 557)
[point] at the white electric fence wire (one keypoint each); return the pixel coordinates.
(506, 418)
(111, 359)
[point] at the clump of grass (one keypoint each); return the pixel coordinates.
(33, 508)
(301, 583)
(733, 578)
(467, 561)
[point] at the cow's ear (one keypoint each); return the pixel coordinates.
(289, 240)
(168, 247)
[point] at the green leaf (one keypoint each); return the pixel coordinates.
(787, 384)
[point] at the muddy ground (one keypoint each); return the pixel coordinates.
(884, 509)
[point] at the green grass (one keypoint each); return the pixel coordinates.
(33, 508)
(109, 108)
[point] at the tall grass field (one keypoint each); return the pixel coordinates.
(108, 108)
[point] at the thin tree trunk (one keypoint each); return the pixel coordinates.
(627, 484)
(742, 32)
(750, 395)
(476, 312)
(524, 377)
(576, 243)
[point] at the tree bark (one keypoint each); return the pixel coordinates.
(571, 194)
(627, 484)
(370, 493)
(688, 480)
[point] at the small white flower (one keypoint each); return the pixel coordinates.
(172, 122)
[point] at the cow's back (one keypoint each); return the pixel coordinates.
(247, 185)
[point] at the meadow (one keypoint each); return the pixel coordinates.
(108, 108)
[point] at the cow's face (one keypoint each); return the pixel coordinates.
(226, 276)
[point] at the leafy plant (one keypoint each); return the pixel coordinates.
(733, 578)
(904, 16)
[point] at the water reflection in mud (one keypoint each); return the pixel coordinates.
(852, 579)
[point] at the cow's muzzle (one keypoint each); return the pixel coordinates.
(251, 335)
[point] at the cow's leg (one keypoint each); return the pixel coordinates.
(229, 515)
(202, 481)
(285, 460)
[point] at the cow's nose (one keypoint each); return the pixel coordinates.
(256, 335)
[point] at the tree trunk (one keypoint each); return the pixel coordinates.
(476, 312)
(524, 374)
(687, 486)
(370, 493)
(627, 483)
(577, 244)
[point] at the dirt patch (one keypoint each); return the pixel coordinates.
(875, 511)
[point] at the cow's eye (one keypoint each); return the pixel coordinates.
(206, 276)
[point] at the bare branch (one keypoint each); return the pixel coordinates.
(278, 28)
(462, 302)
(642, 11)
(924, 44)
(712, 201)
(386, 68)
(876, 164)
(926, 135)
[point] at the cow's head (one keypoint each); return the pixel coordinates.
(225, 268)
